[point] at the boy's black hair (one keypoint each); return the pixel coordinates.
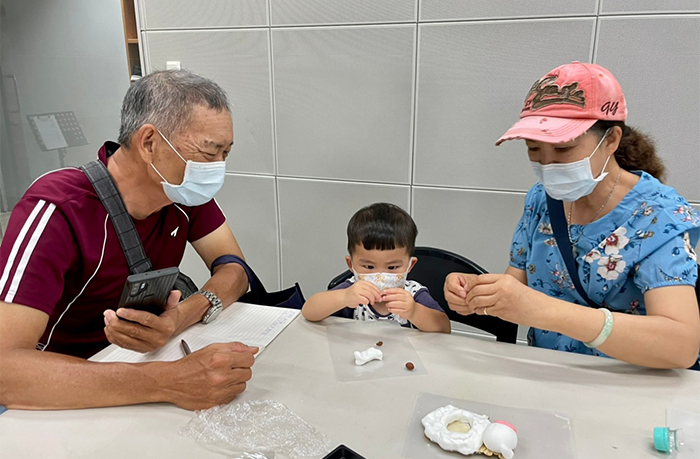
(382, 226)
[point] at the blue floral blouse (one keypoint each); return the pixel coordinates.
(645, 242)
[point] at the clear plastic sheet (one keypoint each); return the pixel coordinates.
(345, 339)
(690, 423)
(541, 434)
(258, 429)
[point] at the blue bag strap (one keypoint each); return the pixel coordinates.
(558, 221)
(288, 298)
(256, 286)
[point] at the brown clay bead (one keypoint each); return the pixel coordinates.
(410, 366)
(379, 343)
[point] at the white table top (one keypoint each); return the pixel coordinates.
(613, 406)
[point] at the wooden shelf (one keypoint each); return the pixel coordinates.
(129, 15)
(131, 35)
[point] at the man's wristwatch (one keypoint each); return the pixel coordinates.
(215, 306)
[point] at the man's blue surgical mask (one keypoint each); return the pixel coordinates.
(199, 185)
(570, 181)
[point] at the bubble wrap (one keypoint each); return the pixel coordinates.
(258, 426)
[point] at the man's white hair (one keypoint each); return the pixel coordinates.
(166, 99)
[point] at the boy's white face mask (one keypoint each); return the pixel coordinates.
(384, 281)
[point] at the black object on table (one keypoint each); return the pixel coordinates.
(343, 452)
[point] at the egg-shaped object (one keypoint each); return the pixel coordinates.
(501, 437)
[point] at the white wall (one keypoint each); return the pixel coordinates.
(339, 103)
(65, 55)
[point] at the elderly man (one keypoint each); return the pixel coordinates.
(63, 269)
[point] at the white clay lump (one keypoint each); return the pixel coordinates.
(366, 356)
(465, 439)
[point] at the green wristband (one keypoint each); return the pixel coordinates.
(605, 332)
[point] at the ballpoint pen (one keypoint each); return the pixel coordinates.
(185, 347)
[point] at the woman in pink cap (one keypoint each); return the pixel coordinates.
(602, 260)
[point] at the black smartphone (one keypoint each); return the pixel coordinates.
(149, 291)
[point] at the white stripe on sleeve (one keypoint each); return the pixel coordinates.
(18, 243)
(28, 253)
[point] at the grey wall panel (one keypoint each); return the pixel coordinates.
(251, 212)
(648, 6)
(657, 62)
(431, 10)
(343, 101)
(476, 224)
(188, 14)
(313, 218)
(472, 80)
(239, 61)
(296, 12)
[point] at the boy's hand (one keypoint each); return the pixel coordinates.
(362, 292)
(400, 302)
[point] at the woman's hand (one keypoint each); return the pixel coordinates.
(457, 285)
(504, 296)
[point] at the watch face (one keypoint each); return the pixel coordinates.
(215, 307)
(212, 314)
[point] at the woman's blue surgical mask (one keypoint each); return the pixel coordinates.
(199, 185)
(570, 181)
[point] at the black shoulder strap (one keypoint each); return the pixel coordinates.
(129, 238)
(558, 220)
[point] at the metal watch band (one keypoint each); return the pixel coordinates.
(215, 306)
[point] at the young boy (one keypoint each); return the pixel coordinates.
(381, 239)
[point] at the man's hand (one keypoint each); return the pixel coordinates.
(212, 376)
(146, 332)
(362, 292)
(400, 302)
(457, 286)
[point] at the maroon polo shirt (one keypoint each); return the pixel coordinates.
(61, 255)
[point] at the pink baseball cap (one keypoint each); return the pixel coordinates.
(566, 102)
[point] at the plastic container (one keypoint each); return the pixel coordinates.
(668, 440)
(343, 452)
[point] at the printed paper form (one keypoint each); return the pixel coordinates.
(50, 132)
(248, 323)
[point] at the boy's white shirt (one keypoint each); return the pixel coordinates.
(364, 313)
